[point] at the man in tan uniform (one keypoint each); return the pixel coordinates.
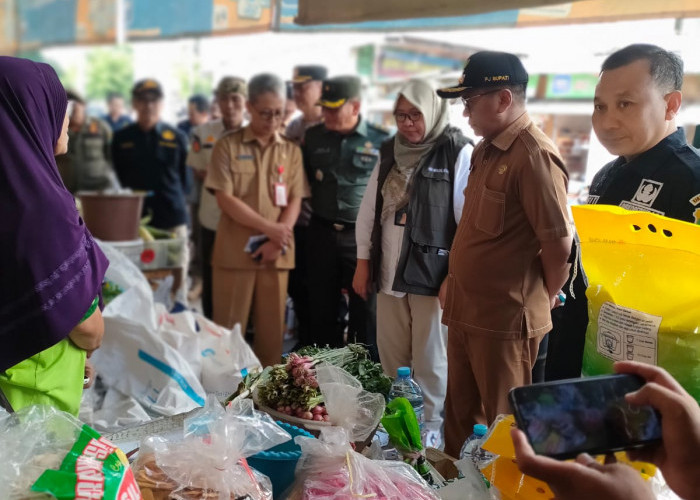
(258, 179)
(509, 257)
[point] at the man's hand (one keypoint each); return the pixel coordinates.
(678, 455)
(88, 334)
(442, 294)
(584, 479)
(200, 174)
(279, 233)
(267, 252)
(89, 378)
(360, 281)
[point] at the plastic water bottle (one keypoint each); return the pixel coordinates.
(472, 447)
(405, 387)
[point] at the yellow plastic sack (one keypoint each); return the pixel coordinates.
(643, 291)
(504, 475)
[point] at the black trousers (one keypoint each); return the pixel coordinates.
(332, 257)
(206, 246)
(298, 287)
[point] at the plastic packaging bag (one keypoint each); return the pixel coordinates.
(207, 461)
(57, 456)
(348, 405)
(642, 294)
(330, 469)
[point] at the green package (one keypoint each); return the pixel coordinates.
(94, 469)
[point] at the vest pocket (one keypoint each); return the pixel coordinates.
(426, 266)
(491, 212)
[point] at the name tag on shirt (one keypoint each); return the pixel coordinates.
(244, 157)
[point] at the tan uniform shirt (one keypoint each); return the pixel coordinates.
(515, 199)
(241, 167)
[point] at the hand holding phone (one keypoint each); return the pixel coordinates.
(589, 415)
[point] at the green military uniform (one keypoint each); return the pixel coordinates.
(338, 167)
(87, 164)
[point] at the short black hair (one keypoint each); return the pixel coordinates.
(200, 102)
(72, 95)
(666, 68)
(519, 92)
(114, 95)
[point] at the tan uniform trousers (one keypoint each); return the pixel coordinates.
(480, 372)
(409, 333)
(236, 290)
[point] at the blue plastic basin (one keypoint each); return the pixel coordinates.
(278, 463)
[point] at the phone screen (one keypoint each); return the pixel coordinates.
(564, 418)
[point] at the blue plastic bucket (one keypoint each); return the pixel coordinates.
(278, 463)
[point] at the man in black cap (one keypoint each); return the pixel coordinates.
(339, 156)
(149, 155)
(306, 82)
(306, 85)
(509, 257)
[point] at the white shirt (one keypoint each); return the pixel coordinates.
(392, 235)
(203, 137)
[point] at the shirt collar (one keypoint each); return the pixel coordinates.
(650, 160)
(505, 139)
(248, 136)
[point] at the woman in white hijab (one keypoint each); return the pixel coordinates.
(404, 231)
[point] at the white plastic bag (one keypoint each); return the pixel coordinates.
(224, 355)
(135, 359)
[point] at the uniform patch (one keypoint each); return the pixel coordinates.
(695, 200)
(211, 138)
(196, 145)
(168, 135)
(244, 157)
(367, 150)
(167, 144)
(502, 169)
(592, 199)
(647, 192)
(628, 205)
(125, 145)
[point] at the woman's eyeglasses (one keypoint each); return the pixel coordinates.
(414, 116)
(467, 100)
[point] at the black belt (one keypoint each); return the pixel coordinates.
(338, 226)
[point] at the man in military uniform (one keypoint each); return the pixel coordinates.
(306, 83)
(231, 94)
(149, 155)
(86, 166)
(634, 116)
(339, 156)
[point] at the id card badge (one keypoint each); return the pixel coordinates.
(280, 189)
(280, 194)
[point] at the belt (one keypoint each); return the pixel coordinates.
(338, 225)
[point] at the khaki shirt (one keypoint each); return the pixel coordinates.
(202, 140)
(241, 167)
(515, 199)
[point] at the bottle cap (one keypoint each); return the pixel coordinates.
(480, 429)
(404, 371)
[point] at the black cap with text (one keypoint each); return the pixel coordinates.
(487, 69)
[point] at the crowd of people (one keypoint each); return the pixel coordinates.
(458, 260)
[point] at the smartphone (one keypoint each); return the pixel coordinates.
(564, 418)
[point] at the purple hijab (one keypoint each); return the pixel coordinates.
(50, 267)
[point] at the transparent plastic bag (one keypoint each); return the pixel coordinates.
(330, 469)
(348, 405)
(206, 461)
(54, 454)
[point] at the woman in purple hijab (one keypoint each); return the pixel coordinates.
(51, 270)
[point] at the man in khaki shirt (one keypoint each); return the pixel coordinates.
(509, 257)
(258, 180)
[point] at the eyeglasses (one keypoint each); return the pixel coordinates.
(465, 100)
(414, 116)
(268, 115)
